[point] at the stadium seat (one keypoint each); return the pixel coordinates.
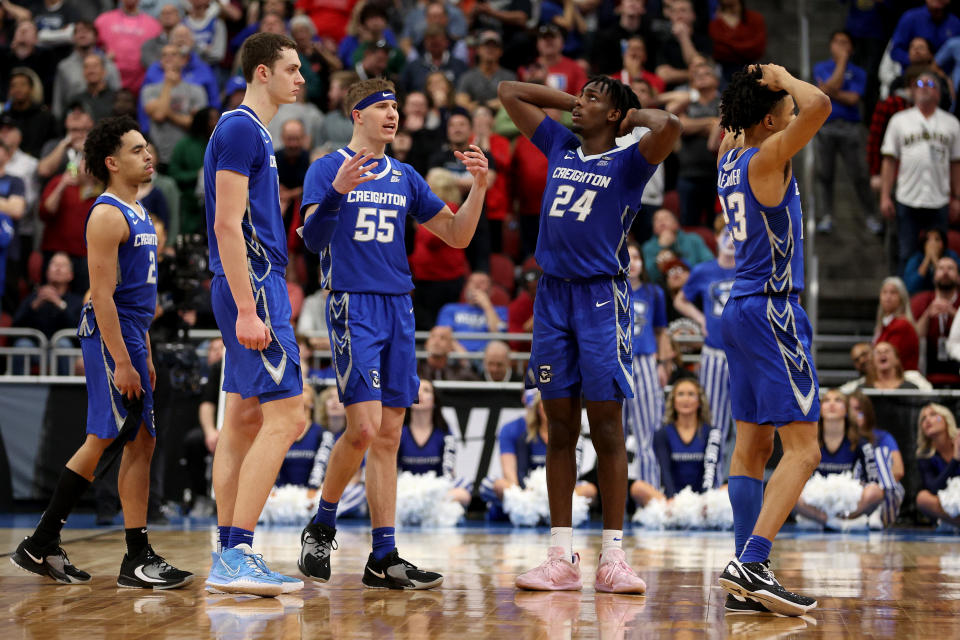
(708, 237)
(502, 271)
(919, 302)
(35, 267)
(499, 296)
(671, 200)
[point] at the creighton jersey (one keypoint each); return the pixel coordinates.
(367, 253)
(712, 284)
(768, 240)
(588, 205)
(242, 144)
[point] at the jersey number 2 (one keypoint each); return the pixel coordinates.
(374, 224)
(581, 207)
(152, 272)
(734, 206)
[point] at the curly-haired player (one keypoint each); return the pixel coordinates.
(768, 116)
(117, 360)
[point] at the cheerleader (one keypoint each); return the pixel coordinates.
(938, 459)
(888, 469)
(298, 462)
(330, 413)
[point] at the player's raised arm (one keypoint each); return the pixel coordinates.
(813, 110)
(457, 230)
(525, 103)
(106, 231)
(665, 130)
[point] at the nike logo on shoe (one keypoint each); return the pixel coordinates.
(600, 304)
(33, 557)
(140, 574)
(377, 573)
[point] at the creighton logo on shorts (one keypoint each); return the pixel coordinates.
(546, 373)
(375, 378)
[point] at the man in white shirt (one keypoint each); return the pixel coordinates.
(922, 149)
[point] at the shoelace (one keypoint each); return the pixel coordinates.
(330, 544)
(623, 566)
(256, 561)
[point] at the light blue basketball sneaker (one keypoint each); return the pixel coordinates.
(238, 570)
(289, 583)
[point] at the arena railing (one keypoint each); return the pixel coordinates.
(30, 354)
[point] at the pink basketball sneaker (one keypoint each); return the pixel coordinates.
(616, 576)
(556, 574)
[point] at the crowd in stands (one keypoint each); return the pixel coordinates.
(891, 73)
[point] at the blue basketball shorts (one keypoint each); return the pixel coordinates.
(582, 339)
(271, 374)
(105, 410)
(767, 342)
(372, 339)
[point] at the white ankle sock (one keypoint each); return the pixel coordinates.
(562, 537)
(612, 539)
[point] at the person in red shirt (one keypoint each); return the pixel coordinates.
(528, 167)
(64, 205)
(634, 59)
(562, 72)
(520, 311)
(895, 322)
(938, 309)
(329, 16)
(498, 195)
(739, 36)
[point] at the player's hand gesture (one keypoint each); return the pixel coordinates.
(773, 76)
(475, 160)
(127, 380)
(252, 333)
(354, 172)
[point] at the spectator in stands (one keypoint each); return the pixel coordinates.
(186, 161)
(842, 134)
(55, 21)
(885, 370)
(869, 25)
(520, 310)
(933, 22)
(687, 447)
(12, 207)
(562, 73)
(52, 307)
(330, 18)
(611, 45)
(315, 60)
(209, 31)
(23, 166)
(739, 36)
(888, 460)
(375, 61)
(895, 322)
(436, 57)
(195, 70)
(427, 445)
(860, 355)
(513, 19)
(170, 16)
(96, 97)
(652, 198)
(671, 359)
(884, 110)
(27, 111)
(309, 115)
(675, 272)
(528, 167)
(312, 322)
(293, 160)
(24, 53)
(64, 206)
(478, 85)
(634, 66)
(921, 55)
(677, 49)
(841, 450)
(476, 314)
(369, 26)
(498, 193)
(337, 128)
(122, 33)
(57, 155)
(667, 235)
(439, 270)
(698, 147)
(938, 460)
(919, 272)
(438, 365)
(922, 148)
(125, 103)
(497, 366)
(171, 104)
(427, 13)
(10, 15)
(948, 60)
(71, 77)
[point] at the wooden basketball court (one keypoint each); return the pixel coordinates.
(904, 585)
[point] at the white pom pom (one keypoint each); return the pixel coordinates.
(422, 501)
(530, 506)
(717, 511)
(521, 505)
(836, 494)
(288, 505)
(950, 497)
(652, 516)
(685, 511)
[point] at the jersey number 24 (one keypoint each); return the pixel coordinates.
(581, 207)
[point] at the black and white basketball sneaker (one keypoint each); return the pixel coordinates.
(755, 580)
(393, 572)
(51, 561)
(738, 604)
(149, 571)
(316, 543)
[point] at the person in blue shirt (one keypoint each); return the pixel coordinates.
(842, 449)
(476, 314)
(687, 447)
(887, 468)
(769, 116)
(298, 463)
(582, 332)
(356, 202)
(643, 413)
(118, 361)
(948, 60)
(933, 22)
(263, 414)
(843, 134)
(12, 207)
(426, 444)
(938, 459)
(710, 283)
(331, 415)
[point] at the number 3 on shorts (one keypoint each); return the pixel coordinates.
(734, 206)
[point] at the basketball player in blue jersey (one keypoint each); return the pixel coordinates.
(356, 201)
(766, 334)
(122, 247)
(582, 325)
(263, 414)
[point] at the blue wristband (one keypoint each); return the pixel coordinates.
(321, 224)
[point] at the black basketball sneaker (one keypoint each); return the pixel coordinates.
(147, 570)
(393, 572)
(316, 543)
(51, 561)
(738, 604)
(755, 580)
